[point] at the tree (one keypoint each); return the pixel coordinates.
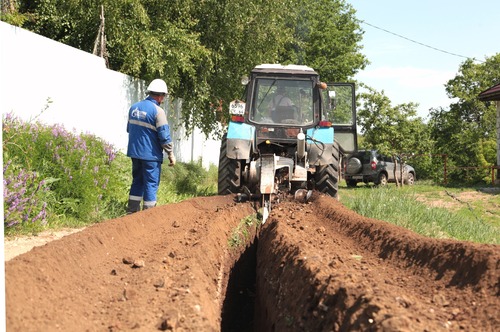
(393, 130)
(240, 35)
(326, 37)
(10, 13)
(466, 131)
(203, 48)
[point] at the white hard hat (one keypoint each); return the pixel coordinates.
(157, 86)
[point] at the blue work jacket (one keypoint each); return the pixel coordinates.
(148, 131)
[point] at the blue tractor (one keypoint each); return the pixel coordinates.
(287, 136)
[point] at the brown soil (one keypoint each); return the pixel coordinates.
(311, 267)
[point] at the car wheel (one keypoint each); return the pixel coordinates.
(352, 183)
(410, 180)
(382, 180)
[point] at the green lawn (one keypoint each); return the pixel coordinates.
(466, 213)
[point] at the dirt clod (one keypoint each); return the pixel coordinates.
(138, 263)
(128, 260)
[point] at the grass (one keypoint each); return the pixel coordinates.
(430, 210)
(186, 180)
(241, 233)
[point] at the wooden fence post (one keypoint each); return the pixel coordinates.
(445, 171)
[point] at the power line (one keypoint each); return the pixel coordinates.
(419, 43)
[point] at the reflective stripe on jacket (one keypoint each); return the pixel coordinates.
(148, 131)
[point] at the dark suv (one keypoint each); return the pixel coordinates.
(370, 166)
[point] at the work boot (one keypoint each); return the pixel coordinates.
(148, 206)
(133, 206)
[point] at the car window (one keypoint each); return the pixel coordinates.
(365, 157)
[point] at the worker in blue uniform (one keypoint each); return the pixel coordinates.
(148, 136)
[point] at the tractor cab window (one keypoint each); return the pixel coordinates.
(339, 109)
(280, 101)
(338, 104)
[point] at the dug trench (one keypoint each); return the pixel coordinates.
(316, 266)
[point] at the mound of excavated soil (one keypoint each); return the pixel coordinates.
(311, 267)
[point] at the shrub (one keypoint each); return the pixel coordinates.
(73, 175)
(53, 177)
(25, 197)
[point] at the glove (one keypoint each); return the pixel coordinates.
(171, 157)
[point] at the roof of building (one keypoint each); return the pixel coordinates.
(492, 93)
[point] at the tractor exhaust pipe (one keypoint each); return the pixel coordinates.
(301, 145)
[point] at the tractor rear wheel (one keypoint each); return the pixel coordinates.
(229, 177)
(327, 176)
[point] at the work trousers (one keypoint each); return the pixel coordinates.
(145, 181)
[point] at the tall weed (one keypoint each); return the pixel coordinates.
(56, 178)
(51, 173)
(186, 180)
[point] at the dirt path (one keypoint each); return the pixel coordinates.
(16, 246)
(311, 267)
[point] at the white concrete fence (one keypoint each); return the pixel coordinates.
(75, 89)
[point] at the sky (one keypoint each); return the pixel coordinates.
(442, 33)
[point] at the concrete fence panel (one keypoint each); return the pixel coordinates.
(58, 84)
